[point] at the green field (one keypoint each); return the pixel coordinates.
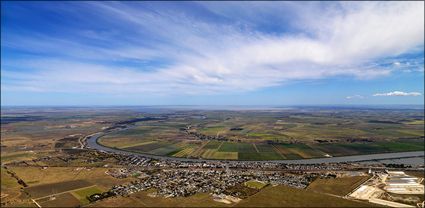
(82, 194)
(255, 184)
(369, 148)
(213, 145)
(260, 156)
(417, 122)
(237, 147)
(184, 153)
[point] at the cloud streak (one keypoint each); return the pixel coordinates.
(355, 97)
(158, 50)
(398, 93)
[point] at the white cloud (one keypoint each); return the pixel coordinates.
(415, 64)
(355, 97)
(210, 57)
(398, 93)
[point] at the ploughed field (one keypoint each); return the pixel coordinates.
(273, 134)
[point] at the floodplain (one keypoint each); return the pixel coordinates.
(273, 135)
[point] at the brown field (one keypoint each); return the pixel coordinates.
(141, 199)
(282, 196)
(37, 176)
(55, 188)
(23, 139)
(9, 187)
(337, 186)
(19, 155)
(61, 200)
(22, 204)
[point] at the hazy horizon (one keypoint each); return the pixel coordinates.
(231, 107)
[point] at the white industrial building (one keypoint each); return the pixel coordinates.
(400, 183)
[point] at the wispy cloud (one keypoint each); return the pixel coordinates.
(355, 97)
(398, 93)
(159, 50)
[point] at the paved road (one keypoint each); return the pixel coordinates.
(92, 143)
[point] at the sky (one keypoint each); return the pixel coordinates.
(212, 53)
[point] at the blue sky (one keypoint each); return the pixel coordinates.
(212, 53)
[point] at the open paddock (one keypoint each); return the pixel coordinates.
(35, 176)
(338, 186)
(82, 194)
(143, 199)
(61, 200)
(55, 188)
(283, 196)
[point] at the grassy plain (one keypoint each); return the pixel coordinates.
(60, 182)
(55, 188)
(61, 200)
(338, 186)
(37, 176)
(282, 196)
(10, 189)
(142, 199)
